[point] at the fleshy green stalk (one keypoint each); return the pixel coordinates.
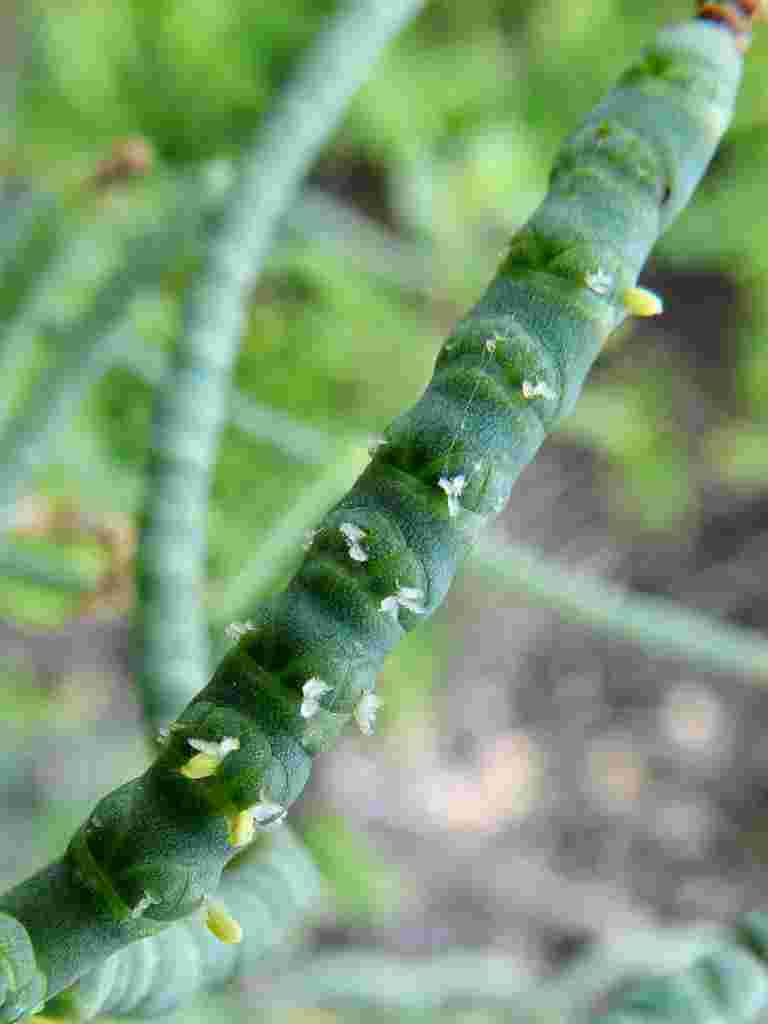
(729, 984)
(191, 410)
(720, 976)
(485, 978)
(274, 886)
(153, 851)
(249, 585)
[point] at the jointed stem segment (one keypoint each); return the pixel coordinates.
(240, 754)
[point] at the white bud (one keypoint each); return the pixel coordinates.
(218, 749)
(411, 598)
(365, 712)
(211, 753)
(312, 691)
(454, 488)
(353, 535)
(267, 815)
(537, 389)
(599, 281)
(236, 630)
(146, 901)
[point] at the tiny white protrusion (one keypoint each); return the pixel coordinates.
(236, 630)
(309, 539)
(210, 754)
(375, 443)
(537, 389)
(353, 535)
(163, 734)
(312, 691)
(599, 281)
(146, 901)
(411, 598)
(365, 712)
(267, 815)
(490, 345)
(213, 748)
(642, 302)
(454, 488)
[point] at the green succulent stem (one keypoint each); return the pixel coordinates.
(274, 885)
(728, 984)
(383, 559)
(190, 413)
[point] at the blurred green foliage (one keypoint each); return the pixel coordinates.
(449, 143)
(365, 887)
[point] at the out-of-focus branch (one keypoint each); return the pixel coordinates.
(658, 626)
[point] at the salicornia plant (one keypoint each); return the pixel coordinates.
(152, 852)
(275, 886)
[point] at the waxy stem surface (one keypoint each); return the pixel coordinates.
(382, 560)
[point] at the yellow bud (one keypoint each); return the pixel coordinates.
(201, 766)
(642, 302)
(221, 924)
(241, 830)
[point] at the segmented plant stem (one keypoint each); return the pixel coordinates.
(240, 753)
(729, 984)
(275, 886)
(191, 409)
